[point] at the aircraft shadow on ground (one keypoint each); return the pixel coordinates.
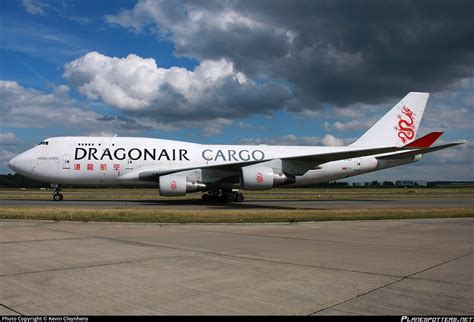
(274, 204)
(293, 204)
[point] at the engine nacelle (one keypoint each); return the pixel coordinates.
(263, 178)
(173, 185)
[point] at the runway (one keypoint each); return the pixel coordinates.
(400, 267)
(252, 204)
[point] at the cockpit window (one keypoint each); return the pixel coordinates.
(43, 143)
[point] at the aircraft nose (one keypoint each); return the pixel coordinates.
(12, 163)
(20, 163)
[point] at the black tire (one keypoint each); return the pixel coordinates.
(222, 198)
(239, 197)
(205, 197)
(58, 196)
(230, 197)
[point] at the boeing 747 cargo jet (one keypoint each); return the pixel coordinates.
(177, 167)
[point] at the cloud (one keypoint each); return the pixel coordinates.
(463, 154)
(5, 156)
(291, 139)
(339, 52)
(25, 107)
(9, 139)
(214, 90)
(351, 125)
(22, 107)
(35, 7)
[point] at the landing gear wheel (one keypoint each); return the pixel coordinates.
(57, 195)
(222, 197)
(230, 197)
(239, 197)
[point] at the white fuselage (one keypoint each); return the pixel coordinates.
(122, 161)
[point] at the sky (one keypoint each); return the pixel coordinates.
(237, 72)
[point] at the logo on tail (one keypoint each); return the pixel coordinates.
(406, 124)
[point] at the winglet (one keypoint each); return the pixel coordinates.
(425, 141)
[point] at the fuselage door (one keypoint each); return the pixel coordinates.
(129, 165)
(66, 162)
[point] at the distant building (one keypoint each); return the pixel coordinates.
(411, 183)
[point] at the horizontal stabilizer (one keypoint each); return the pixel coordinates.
(419, 151)
(425, 141)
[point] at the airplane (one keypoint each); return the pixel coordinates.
(221, 171)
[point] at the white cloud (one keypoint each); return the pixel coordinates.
(250, 126)
(463, 154)
(22, 107)
(135, 83)
(213, 90)
(185, 22)
(313, 45)
(290, 139)
(102, 134)
(446, 118)
(5, 156)
(35, 7)
(25, 108)
(349, 125)
(9, 138)
(331, 140)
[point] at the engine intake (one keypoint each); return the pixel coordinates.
(263, 178)
(173, 185)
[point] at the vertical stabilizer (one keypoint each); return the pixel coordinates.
(399, 126)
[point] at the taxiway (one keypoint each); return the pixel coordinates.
(401, 267)
(252, 204)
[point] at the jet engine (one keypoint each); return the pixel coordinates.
(173, 185)
(263, 178)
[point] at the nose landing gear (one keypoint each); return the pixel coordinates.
(57, 195)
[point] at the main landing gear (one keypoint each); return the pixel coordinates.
(223, 196)
(57, 195)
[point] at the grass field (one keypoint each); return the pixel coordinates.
(162, 214)
(225, 216)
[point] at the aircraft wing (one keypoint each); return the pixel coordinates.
(321, 158)
(311, 160)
